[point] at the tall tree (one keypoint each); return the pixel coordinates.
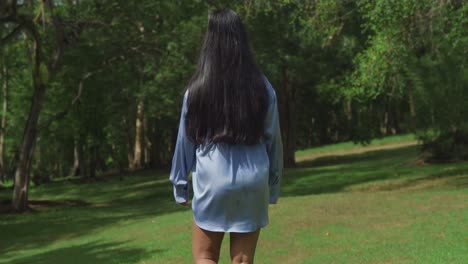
(44, 68)
(5, 86)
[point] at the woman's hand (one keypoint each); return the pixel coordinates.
(186, 204)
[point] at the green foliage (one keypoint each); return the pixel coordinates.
(358, 69)
(414, 53)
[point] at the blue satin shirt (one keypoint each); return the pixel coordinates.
(232, 184)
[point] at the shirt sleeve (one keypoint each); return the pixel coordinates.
(183, 159)
(274, 147)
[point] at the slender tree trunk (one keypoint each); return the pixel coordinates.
(74, 171)
(392, 104)
(81, 157)
(287, 113)
(22, 173)
(411, 107)
(26, 150)
(391, 128)
(130, 142)
(4, 120)
(384, 126)
(397, 118)
(349, 109)
(138, 136)
(20, 193)
(146, 142)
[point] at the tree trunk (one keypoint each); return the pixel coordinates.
(397, 118)
(349, 109)
(75, 170)
(20, 193)
(384, 126)
(130, 144)
(138, 137)
(287, 107)
(4, 120)
(146, 142)
(82, 157)
(411, 107)
(392, 123)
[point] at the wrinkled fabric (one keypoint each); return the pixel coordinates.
(232, 184)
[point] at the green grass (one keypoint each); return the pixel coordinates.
(373, 207)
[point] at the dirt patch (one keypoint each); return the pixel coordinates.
(411, 185)
(357, 150)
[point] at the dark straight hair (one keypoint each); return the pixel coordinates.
(227, 97)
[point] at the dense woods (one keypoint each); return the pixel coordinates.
(92, 87)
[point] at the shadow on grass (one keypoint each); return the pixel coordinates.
(94, 252)
(337, 173)
(102, 204)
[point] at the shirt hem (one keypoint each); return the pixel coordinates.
(234, 228)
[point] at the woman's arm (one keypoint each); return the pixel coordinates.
(182, 162)
(274, 146)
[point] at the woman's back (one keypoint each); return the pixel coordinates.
(229, 137)
(216, 164)
(234, 183)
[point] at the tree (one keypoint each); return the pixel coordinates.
(44, 69)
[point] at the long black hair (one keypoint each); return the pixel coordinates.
(227, 98)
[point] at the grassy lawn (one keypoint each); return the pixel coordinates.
(362, 205)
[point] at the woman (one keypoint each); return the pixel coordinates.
(229, 137)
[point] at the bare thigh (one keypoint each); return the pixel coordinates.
(243, 247)
(205, 245)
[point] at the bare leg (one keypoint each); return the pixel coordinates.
(243, 247)
(205, 245)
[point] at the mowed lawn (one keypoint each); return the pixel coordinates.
(343, 204)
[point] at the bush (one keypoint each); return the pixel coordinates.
(445, 147)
